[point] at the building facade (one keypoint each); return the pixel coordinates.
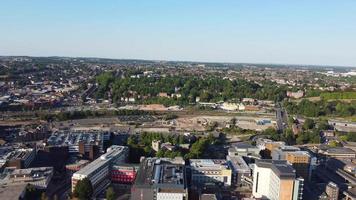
(123, 173)
(98, 171)
(276, 180)
(210, 172)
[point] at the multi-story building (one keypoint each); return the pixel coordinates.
(280, 152)
(160, 179)
(210, 171)
(17, 157)
(98, 171)
(301, 163)
(38, 177)
(241, 172)
(339, 152)
(245, 150)
(295, 95)
(268, 145)
(276, 180)
(79, 141)
(124, 173)
(76, 166)
(332, 190)
(89, 151)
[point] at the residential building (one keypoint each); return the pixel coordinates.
(295, 95)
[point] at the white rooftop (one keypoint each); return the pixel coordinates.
(208, 164)
(112, 152)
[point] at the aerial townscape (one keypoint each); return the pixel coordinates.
(178, 100)
(81, 128)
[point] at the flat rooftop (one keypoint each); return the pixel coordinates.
(68, 138)
(280, 167)
(340, 150)
(11, 153)
(300, 153)
(208, 164)
(162, 173)
(111, 153)
(238, 164)
(13, 176)
(243, 145)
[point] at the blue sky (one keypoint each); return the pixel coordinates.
(257, 31)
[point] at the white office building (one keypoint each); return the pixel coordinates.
(98, 170)
(276, 180)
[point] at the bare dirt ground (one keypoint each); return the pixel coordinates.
(184, 123)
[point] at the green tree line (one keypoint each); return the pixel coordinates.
(208, 89)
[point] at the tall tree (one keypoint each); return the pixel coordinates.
(84, 189)
(110, 194)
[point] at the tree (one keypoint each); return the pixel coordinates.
(110, 194)
(233, 122)
(289, 137)
(160, 153)
(273, 134)
(308, 124)
(323, 125)
(334, 143)
(351, 137)
(84, 189)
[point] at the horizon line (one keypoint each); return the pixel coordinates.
(191, 61)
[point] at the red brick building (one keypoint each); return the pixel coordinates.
(123, 173)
